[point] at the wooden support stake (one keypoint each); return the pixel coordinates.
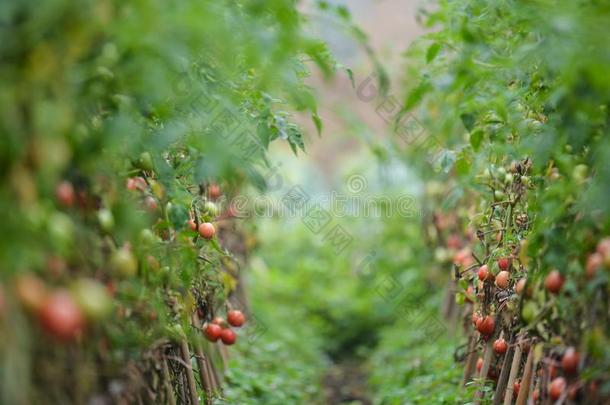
(514, 370)
(503, 379)
(214, 374)
(169, 392)
(471, 359)
(204, 374)
(527, 378)
(190, 377)
(487, 354)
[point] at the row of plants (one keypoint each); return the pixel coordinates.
(126, 128)
(514, 103)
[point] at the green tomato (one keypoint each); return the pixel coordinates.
(61, 228)
(579, 173)
(211, 209)
(499, 195)
(145, 161)
(529, 312)
(147, 237)
(105, 219)
(124, 263)
(93, 298)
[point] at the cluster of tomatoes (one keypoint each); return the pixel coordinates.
(219, 329)
(63, 313)
(512, 306)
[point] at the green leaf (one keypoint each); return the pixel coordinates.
(432, 52)
(350, 74)
(476, 137)
(318, 122)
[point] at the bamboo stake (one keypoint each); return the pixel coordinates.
(471, 359)
(514, 370)
(485, 369)
(167, 383)
(527, 378)
(190, 377)
(502, 380)
(214, 373)
(204, 374)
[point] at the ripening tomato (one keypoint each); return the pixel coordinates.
(212, 332)
(214, 191)
(479, 364)
(236, 318)
(151, 204)
(503, 279)
(207, 230)
(192, 224)
(136, 183)
(228, 337)
(603, 247)
(64, 193)
(504, 263)
(520, 286)
(486, 325)
(536, 395)
(570, 360)
(594, 262)
(475, 318)
(31, 291)
(220, 322)
(557, 387)
(453, 241)
(468, 294)
(554, 281)
(60, 316)
(500, 346)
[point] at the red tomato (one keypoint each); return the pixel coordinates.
(228, 337)
(504, 263)
(486, 325)
(556, 388)
(192, 224)
(516, 388)
(570, 360)
(61, 317)
(207, 230)
(484, 273)
(479, 364)
(500, 346)
(236, 318)
(214, 191)
(64, 192)
(212, 332)
(554, 281)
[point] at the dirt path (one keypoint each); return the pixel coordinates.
(346, 383)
